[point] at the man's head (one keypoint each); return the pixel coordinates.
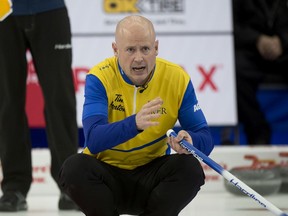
(136, 47)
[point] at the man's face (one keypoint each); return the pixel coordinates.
(136, 51)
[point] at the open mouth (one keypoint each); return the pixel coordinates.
(139, 69)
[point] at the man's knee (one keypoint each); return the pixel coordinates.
(190, 170)
(72, 170)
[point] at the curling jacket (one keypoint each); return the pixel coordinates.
(112, 101)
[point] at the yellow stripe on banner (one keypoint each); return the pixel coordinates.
(5, 9)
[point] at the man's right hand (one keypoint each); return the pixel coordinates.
(146, 116)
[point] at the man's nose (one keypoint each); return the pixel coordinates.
(138, 56)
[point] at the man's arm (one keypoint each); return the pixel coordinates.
(193, 121)
(99, 135)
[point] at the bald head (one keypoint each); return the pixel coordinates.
(136, 48)
(134, 24)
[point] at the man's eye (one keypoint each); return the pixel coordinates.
(146, 49)
(130, 50)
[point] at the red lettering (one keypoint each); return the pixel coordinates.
(42, 169)
(79, 77)
(212, 178)
(207, 75)
(38, 180)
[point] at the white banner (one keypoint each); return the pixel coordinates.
(101, 16)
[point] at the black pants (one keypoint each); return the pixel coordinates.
(251, 69)
(162, 187)
(41, 34)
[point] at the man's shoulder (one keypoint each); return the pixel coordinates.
(106, 66)
(170, 67)
(167, 64)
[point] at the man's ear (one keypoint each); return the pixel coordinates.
(115, 49)
(156, 47)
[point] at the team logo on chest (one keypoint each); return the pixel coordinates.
(117, 103)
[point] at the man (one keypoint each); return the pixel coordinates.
(43, 27)
(261, 48)
(131, 100)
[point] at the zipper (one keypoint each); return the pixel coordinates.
(134, 99)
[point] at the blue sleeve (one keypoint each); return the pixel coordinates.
(96, 101)
(192, 119)
(99, 134)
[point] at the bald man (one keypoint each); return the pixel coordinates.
(131, 100)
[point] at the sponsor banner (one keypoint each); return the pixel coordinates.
(227, 157)
(232, 157)
(172, 16)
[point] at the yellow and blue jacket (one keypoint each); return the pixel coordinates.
(112, 101)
